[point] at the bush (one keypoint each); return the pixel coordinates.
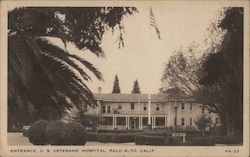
(178, 128)
(118, 131)
(37, 132)
(61, 133)
(104, 137)
(74, 134)
(92, 136)
(190, 128)
(170, 141)
(149, 140)
(155, 132)
(124, 138)
(227, 139)
(53, 132)
(200, 141)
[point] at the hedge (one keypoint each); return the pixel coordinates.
(200, 141)
(227, 139)
(124, 138)
(37, 132)
(61, 133)
(149, 140)
(92, 136)
(104, 137)
(119, 131)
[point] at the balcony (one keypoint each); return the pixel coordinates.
(135, 112)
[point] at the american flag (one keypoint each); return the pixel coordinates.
(153, 23)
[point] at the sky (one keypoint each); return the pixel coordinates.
(144, 55)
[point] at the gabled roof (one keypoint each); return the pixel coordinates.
(115, 97)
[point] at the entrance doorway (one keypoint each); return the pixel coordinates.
(134, 123)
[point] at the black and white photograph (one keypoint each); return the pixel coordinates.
(142, 76)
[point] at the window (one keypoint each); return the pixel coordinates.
(121, 121)
(157, 107)
(191, 106)
(203, 110)
(216, 120)
(191, 121)
(182, 121)
(132, 106)
(175, 121)
(145, 121)
(103, 109)
(108, 120)
(182, 106)
(160, 121)
(120, 107)
(145, 108)
(109, 109)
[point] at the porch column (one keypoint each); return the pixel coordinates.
(153, 122)
(166, 121)
(128, 123)
(140, 123)
(149, 109)
(113, 122)
(169, 114)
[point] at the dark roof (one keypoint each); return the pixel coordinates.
(114, 97)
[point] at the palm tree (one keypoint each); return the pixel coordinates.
(44, 79)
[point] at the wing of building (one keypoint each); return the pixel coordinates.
(137, 111)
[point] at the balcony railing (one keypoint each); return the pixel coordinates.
(136, 112)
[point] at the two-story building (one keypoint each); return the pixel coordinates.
(137, 111)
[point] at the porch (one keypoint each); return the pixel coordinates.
(132, 122)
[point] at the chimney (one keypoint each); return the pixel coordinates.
(99, 90)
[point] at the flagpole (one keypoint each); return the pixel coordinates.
(149, 62)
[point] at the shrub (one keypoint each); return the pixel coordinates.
(170, 141)
(37, 132)
(154, 132)
(53, 132)
(74, 134)
(118, 131)
(149, 140)
(200, 141)
(104, 137)
(178, 128)
(92, 136)
(190, 128)
(61, 133)
(217, 130)
(124, 138)
(227, 139)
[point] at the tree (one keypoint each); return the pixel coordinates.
(223, 71)
(116, 87)
(214, 79)
(43, 78)
(203, 122)
(136, 88)
(88, 120)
